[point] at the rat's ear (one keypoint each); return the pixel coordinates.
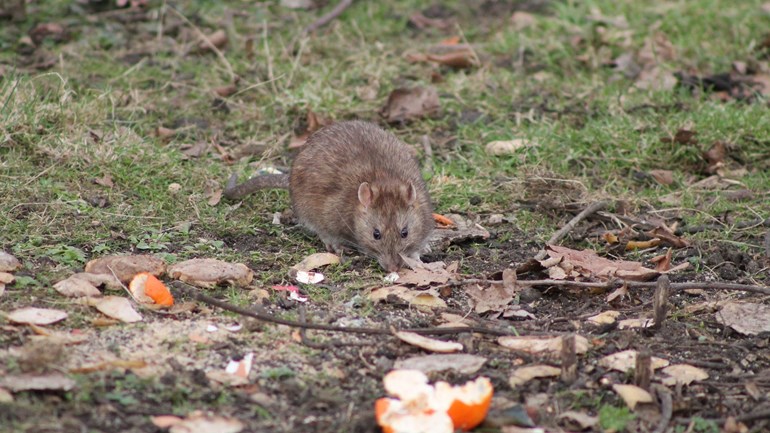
(410, 193)
(365, 194)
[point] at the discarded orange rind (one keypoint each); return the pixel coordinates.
(443, 221)
(145, 285)
(440, 408)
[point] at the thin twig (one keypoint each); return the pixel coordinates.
(326, 19)
(666, 408)
(594, 207)
(194, 293)
(721, 227)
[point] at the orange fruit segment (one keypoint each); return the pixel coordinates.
(145, 285)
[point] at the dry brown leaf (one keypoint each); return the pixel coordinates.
(668, 237)
(36, 316)
(194, 150)
(641, 322)
(508, 147)
(420, 21)
(8, 263)
(37, 382)
(746, 318)
(209, 273)
(429, 344)
(625, 361)
(315, 261)
(198, 422)
(581, 420)
(218, 39)
(494, 297)
(6, 278)
(522, 375)
(105, 181)
(462, 363)
(522, 20)
(116, 307)
(125, 267)
(604, 318)
(715, 157)
(632, 394)
(76, 287)
(541, 345)
(408, 104)
(663, 177)
(586, 264)
(225, 91)
(427, 298)
(683, 373)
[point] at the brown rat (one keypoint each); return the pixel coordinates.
(357, 186)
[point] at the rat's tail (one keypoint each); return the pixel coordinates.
(234, 191)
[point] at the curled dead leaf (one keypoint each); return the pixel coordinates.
(406, 104)
(209, 273)
(125, 267)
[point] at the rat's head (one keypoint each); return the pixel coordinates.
(393, 218)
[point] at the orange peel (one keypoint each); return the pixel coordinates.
(440, 408)
(145, 285)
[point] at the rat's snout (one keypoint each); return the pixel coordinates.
(391, 264)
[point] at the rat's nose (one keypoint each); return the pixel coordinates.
(390, 264)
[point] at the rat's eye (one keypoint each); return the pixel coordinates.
(404, 232)
(377, 235)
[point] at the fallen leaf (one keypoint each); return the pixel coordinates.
(125, 267)
(420, 21)
(462, 363)
(428, 298)
(116, 307)
(8, 263)
(683, 373)
(663, 177)
(105, 181)
(508, 147)
(494, 297)
(424, 274)
(198, 422)
(36, 316)
(642, 322)
(715, 157)
(209, 273)
(218, 39)
(54, 31)
(581, 420)
(746, 318)
(632, 394)
(522, 20)
(225, 91)
(604, 318)
(429, 344)
(37, 382)
(315, 261)
(407, 104)
(522, 375)
(541, 345)
(459, 58)
(625, 361)
(587, 264)
(194, 150)
(76, 287)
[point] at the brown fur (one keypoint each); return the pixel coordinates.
(325, 180)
